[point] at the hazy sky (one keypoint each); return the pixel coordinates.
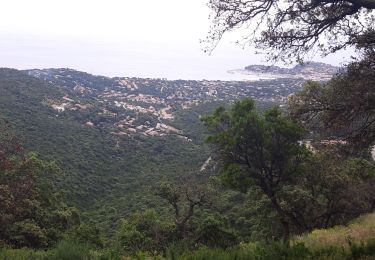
(145, 38)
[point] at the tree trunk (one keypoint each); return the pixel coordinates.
(283, 220)
(181, 231)
(286, 230)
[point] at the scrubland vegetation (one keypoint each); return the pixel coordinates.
(292, 179)
(333, 243)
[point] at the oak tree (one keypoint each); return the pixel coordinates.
(185, 199)
(259, 150)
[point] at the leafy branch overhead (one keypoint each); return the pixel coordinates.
(290, 29)
(342, 108)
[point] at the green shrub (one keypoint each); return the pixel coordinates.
(176, 249)
(363, 249)
(22, 254)
(68, 250)
(108, 254)
(87, 233)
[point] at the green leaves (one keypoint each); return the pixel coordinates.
(257, 150)
(342, 108)
(143, 231)
(266, 145)
(31, 211)
(235, 177)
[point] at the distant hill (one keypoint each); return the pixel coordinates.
(308, 70)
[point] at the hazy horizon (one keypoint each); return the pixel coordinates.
(122, 38)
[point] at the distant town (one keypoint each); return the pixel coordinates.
(147, 106)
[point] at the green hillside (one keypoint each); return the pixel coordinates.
(134, 162)
(101, 172)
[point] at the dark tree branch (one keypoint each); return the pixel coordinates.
(291, 29)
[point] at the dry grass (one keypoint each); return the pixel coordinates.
(361, 230)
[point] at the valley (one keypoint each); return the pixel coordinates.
(116, 138)
(217, 129)
(130, 106)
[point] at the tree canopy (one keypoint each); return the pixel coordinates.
(259, 150)
(291, 29)
(264, 154)
(185, 200)
(342, 108)
(32, 212)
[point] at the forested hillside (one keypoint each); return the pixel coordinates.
(101, 171)
(112, 168)
(114, 139)
(148, 163)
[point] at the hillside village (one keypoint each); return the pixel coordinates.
(130, 106)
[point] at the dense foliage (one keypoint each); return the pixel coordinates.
(32, 213)
(305, 189)
(342, 108)
(146, 196)
(106, 176)
(258, 150)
